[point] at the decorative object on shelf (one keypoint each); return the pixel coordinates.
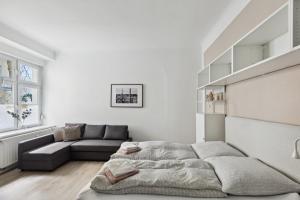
(219, 96)
(210, 96)
(126, 95)
(215, 100)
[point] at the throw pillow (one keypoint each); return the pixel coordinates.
(59, 134)
(72, 133)
(82, 127)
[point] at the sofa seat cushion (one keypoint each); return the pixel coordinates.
(48, 152)
(97, 145)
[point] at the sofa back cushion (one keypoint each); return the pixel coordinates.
(94, 132)
(82, 127)
(116, 132)
(72, 133)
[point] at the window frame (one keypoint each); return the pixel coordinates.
(13, 81)
(16, 84)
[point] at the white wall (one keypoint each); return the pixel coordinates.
(77, 89)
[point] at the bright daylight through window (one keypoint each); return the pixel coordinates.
(20, 86)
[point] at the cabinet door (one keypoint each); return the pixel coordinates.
(215, 127)
(200, 127)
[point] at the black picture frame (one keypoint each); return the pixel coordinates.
(139, 97)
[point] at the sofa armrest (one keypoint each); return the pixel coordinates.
(31, 144)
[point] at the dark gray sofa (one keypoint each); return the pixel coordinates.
(89, 149)
(96, 144)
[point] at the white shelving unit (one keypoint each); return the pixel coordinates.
(270, 39)
(210, 118)
(200, 100)
(222, 66)
(203, 77)
(271, 46)
(217, 105)
(295, 18)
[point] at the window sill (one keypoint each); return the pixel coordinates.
(22, 131)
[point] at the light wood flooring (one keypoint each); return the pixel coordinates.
(62, 184)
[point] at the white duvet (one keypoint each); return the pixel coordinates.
(158, 150)
(189, 178)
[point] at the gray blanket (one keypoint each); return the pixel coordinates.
(158, 150)
(190, 178)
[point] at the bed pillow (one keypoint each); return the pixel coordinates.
(94, 132)
(215, 148)
(59, 134)
(114, 132)
(249, 176)
(72, 133)
(82, 127)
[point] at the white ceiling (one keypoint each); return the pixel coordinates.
(113, 24)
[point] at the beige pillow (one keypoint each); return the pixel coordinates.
(250, 177)
(215, 148)
(59, 135)
(72, 133)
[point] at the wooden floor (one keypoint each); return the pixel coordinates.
(62, 184)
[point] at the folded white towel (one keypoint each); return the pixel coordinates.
(131, 146)
(120, 168)
(135, 147)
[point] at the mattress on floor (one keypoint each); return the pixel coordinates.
(88, 194)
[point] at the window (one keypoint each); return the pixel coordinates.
(20, 90)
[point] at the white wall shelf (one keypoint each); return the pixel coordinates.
(216, 105)
(222, 66)
(271, 38)
(264, 67)
(203, 77)
(272, 45)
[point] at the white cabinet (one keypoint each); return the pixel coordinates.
(272, 45)
(210, 117)
(210, 127)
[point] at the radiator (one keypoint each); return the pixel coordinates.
(9, 145)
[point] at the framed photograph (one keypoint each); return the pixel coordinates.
(126, 95)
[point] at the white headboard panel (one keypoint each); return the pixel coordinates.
(270, 142)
